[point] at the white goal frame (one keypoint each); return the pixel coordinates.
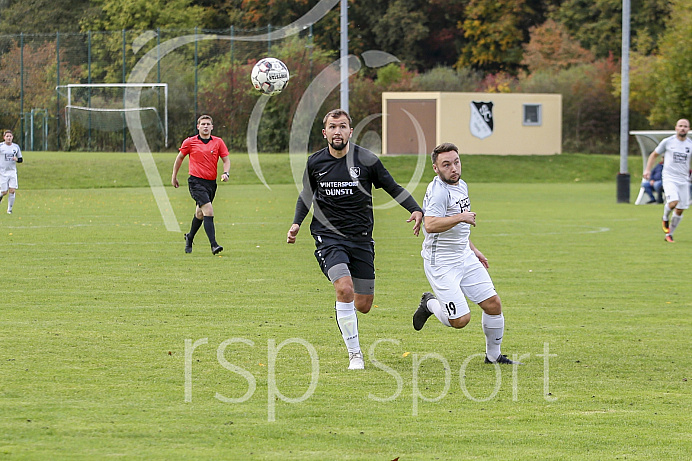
(70, 86)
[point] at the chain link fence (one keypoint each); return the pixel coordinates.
(209, 72)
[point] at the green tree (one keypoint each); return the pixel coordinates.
(597, 24)
(590, 111)
(643, 92)
(398, 27)
(44, 16)
(144, 15)
(494, 35)
(440, 47)
(134, 15)
(39, 72)
(227, 93)
(673, 68)
(401, 30)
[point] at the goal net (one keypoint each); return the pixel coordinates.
(96, 116)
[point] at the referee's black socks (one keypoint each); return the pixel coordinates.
(196, 224)
(209, 229)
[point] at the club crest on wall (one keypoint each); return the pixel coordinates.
(481, 124)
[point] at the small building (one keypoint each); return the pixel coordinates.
(478, 123)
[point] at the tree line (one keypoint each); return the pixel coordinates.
(570, 47)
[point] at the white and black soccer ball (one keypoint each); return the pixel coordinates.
(270, 76)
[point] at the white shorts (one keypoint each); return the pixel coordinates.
(451, 282)
(677, 192)
(8, 180)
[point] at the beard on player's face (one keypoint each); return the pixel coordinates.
(451, 179)
(338, 143)
(449, 175)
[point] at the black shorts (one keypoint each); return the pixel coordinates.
(202, 191)
(358, 256)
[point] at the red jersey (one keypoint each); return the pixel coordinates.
(204, 157)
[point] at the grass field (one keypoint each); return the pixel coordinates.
(116, 344)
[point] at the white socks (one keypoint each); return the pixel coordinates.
(440, 312)
(666, 212)
(348, 324)
(10, 201)
(674, 221)
(494, 329)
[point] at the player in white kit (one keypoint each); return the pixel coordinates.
(10, 155)
(455, 268)
(676, 151)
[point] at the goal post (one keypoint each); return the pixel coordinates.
(101, 106)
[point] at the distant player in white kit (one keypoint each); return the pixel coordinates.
(455, 268)
(676, 151)
(10, 155)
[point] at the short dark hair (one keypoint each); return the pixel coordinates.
(444, 147)
(7, 131)
(336, 113)
(205, 117)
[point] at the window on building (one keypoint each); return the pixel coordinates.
(532, 115)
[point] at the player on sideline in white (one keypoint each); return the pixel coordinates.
(10, 155)
(676, 151)
(454, 267)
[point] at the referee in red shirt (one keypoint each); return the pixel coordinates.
(204, 151)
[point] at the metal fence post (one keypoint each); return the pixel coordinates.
(57, 111)
(124, 79)
(89, 90)
(196, 62)
(21, 87)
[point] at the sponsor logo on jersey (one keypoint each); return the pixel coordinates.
(464, 204)
(680, 157)
(338, 187)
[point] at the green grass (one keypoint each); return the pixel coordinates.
(78, 170)
(98, 301)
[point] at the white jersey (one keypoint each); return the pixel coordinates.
(8, 165)
(442, 200)
(676, 159)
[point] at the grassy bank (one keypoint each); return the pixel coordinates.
(86, 170)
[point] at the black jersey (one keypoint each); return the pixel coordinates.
(340, 189)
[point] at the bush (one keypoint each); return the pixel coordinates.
(590, 111)
(447, 79)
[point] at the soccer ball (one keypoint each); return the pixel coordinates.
(270, 76)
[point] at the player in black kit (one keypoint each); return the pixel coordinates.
(338, 183)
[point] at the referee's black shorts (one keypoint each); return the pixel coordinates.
(202, 191)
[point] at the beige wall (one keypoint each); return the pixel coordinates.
(453, 117)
